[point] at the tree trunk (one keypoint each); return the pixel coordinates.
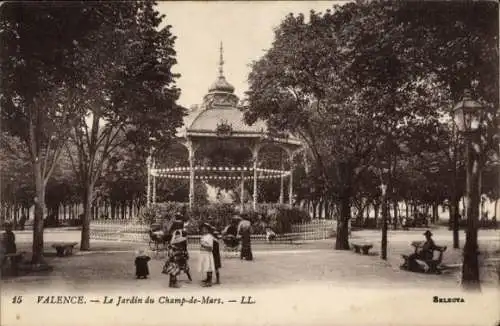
(87, 207)
(385, 218)
(455, 221)
(435, 213)
(395, 219)
(367, 211)
(37, 255)
(342, 239)
(495, 209)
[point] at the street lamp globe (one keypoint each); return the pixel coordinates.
(468, 114)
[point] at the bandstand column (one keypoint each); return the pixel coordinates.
(191, 150)
(282, 185)
(290, 190)
(255, 156)
(154, 182)
(242, 202)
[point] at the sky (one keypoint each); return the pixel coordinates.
(244, 27)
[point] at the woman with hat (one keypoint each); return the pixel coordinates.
(216, 254)
(177, 258)
(207, 264)
(244, 232)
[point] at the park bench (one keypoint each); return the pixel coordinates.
(64, 248)
(14, 259)
(434, 263)
(362, 247)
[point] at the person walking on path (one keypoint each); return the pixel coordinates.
(245, 232)
(207, 264)
(216, 254)
(177, 259)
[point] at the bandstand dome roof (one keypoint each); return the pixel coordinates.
(210, 118)
(220, 111)
(221, 84)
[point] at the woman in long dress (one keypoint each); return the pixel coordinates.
(216, 254)
(244, 231)
(207, 264)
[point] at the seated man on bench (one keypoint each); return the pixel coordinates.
(418, 260)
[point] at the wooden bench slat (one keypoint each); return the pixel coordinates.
(432, 263)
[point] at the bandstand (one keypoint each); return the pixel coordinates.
(220, 118)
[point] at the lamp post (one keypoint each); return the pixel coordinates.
(468, 117)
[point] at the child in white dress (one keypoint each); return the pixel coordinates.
(207, 264)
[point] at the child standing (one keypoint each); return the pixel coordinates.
(207, 264)
(141, 265)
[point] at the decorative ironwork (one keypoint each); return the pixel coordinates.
(224, 129)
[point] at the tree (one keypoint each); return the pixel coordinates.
(298, 88)
(459, 54)
(39, 79)
(131, 95)
(337, 82)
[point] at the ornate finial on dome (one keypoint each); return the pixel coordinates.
(221, 61)
(221, 84)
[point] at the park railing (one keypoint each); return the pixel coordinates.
(135, 231)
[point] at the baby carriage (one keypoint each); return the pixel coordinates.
(157, 240)
(230, 240)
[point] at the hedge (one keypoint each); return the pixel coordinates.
(279, 217)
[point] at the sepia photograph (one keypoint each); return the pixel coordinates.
(249, 163)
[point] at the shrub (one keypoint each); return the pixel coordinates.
(482, 224)
(75, 222)
(51, 221)
(149, 215)
(162, 211)
(282, 218)
(279, 217)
